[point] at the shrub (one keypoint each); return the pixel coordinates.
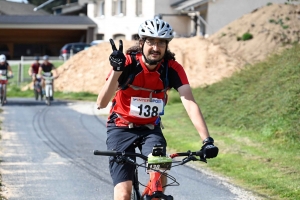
(247, 36)
(272, 21)
(285, 26)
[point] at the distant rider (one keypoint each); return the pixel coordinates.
(4, 69)
(34, 69)
(47, 66)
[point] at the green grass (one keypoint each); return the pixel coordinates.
(254, 117)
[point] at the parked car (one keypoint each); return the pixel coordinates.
(72, 48)
(95, 42)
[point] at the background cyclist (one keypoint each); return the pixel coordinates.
(47, 66)
(136, 108)
(34, 69)
(5, 71)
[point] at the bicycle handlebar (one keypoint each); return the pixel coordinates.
(188, 153)
(118, 153)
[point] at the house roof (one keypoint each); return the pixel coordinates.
(46, 22)
(15, 8)
(187, 5)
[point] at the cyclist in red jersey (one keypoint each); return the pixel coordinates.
(138, 105)
(5, 70)
(34, 69)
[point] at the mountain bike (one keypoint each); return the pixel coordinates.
(156, 166)
(37, 87)
(48, 78)
(3, 82)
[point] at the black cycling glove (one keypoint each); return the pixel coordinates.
(117, 58)
(208, 149)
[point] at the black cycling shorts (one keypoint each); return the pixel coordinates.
(123, 139)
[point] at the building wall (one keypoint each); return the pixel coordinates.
(222, 12)
(127, 25)
(180, 23)
(217, 14)
(112, 26)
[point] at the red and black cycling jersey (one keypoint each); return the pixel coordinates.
(35, 68)
(47, 67)
(121, 111)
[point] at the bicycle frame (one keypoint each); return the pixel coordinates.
(154, 188)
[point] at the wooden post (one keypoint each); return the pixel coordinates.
(19, 74)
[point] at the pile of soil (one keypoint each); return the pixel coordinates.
(205, 60)
(273, 28)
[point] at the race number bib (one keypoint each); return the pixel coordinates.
(3, 75)
(2, 72)
(144, 108)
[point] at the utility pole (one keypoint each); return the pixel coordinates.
(42, 5)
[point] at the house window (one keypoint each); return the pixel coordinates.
(99, 36)
(119, 7)
(119, 37)
(138, 8)
(101, 8)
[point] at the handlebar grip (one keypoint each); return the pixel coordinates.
(105, 153)
(199, 153)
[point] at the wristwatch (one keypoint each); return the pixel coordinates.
(208, 140)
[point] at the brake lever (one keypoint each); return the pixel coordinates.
(188, 159)
(202, 159)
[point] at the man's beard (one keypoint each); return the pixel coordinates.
(153, 61)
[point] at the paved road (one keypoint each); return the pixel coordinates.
(46, 153)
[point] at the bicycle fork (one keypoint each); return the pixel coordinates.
(154, 188)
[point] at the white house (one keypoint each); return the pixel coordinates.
(215, 14)
(119, 19)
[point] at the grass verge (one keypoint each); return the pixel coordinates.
(254, 117)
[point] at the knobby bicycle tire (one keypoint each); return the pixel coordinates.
(135, 194)
(2, 100)
(38, 92)
(2, 93)
(49, 88)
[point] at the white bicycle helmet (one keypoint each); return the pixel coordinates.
(2, 58)
(156, 28)
(45, 57)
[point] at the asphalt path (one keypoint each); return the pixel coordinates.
(47, 153)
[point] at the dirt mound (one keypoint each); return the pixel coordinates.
(87, 70)
(272, 27)
(205, 61)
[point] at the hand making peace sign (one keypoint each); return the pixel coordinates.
(117, 58)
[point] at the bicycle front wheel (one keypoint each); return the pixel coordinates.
(134, 195)
(135, 192)
(2, 95)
